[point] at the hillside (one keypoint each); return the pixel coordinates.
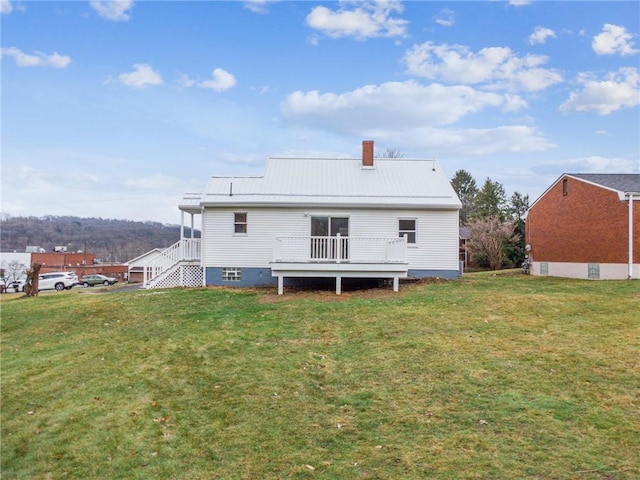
(110, 240)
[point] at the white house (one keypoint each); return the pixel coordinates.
(387, 218)
(136, 266)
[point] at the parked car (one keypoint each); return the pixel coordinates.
(91, 280)
(17, 285)
(13, 286)
(57, 280)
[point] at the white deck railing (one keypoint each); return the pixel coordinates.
(340, 249)
(185, 249)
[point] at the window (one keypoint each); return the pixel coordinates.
(593, 271)
(544, 268)
(407, 227)
(565, 187)
(231, 274)
(240, 223)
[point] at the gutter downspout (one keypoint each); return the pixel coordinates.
(630, 240)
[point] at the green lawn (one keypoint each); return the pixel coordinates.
(489, 377)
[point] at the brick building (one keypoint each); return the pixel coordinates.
(586, 226)
(80, 263)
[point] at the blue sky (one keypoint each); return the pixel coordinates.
(114, 109)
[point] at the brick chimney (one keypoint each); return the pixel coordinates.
(367, 153)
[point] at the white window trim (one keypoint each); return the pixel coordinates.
(245, 223)
(409, 245)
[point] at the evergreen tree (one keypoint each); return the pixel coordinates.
(518, 206)
(466, 188)
(491, 201)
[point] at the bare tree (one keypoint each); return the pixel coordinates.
(488, 239)
(390, 153)
(14, 271)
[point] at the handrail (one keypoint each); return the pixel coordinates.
(184, 249)
(340, 249)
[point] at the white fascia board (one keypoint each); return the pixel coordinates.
(368, 206)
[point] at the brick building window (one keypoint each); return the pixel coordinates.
(593, 271)
(565, 187)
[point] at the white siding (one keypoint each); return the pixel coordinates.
(436, 247)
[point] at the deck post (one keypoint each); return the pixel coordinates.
(338, 285)
(396, 284)
(280, 285)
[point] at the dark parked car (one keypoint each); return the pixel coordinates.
(91, 280)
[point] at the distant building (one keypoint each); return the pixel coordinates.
(586, 226)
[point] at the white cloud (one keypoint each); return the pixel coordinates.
(497, 67)
(142, 75)
(618, 90)
(221, 81)
(5, 6)
(186, 81)
(446, 17)
(540, 35)
(514, 103)
(613, 40)
(406, 103)
(39, 59)
(41, 180)
(416, 116)
(116, 10)
(154, 182)
(590, 164)
(520, 3)
(367, 19)
(258, 6)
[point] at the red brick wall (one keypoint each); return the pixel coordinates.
(56, 261)
(80, 263)
(588, 225)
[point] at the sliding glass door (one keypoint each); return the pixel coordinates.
(330, 238)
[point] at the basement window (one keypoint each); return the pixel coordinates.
(544, 268)
(593, 271)
(240, 223)
(231, 274)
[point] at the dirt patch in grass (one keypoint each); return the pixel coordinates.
(350, 290)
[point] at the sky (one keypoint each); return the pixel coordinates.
(115, 109)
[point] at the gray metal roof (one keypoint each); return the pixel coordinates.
(334, 182)
(622, 182)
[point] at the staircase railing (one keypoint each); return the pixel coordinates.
(185, 249)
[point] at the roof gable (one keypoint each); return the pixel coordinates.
(621, 183)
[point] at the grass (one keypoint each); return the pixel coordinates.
(488, 377)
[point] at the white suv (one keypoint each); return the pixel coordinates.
(57, 280)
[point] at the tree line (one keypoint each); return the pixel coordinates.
(496, 223)
(110, 240)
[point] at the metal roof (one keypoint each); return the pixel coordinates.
(334, 182)
(622, 182)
